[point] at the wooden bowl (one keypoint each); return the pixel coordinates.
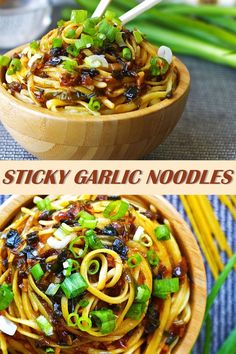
(186, 242)
(49, 135)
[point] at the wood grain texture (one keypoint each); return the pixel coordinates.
(186, 242)
(51, 135)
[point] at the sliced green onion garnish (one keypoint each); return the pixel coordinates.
(152, 257)
(52, 289)
(86, 320)
(134, 260)
(137, 36)
(143, 293)
(89, 26)
(70, 33)
(72, 319)
(57, 42)
(37, 271)
(70, 65)
(70, 265)
(136, 310)
(77, 251)
(93, 267)
(49, 350)
(164, 287)
(43, 204)
(79, 16)
(85, 215)
(34, 46)
(74, 285)
(60, 23)
(162, 232)
(94, 104)
(15, 66)
(4, 60)
(94, 242)
(44, 325)
(159, 66)
(72, 50)
(120, 40)
(127, 54)
(109, 15)
(105, 320)
(108, 29)
(6, 296)
(83, 303)
(63, 231)
(85, 41)
(116, 210)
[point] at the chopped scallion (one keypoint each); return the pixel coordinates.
(152, 257)
(77, 251)
(70, 33)
(81, 321)
(105, 320)
(116, 210)
(52, 289)
(70, 65)
(143, 293)
(137, 36)
(164, 287)
(74, 285)
(93, 267)
(44, 325)
(162, 232)
(15, 66)
(126, 54)
(79, 16)
(94, 104)
(6, 296)
(83, 303)
(134, 260)
(94, 242)
(37, 271)
(136, 310)
(57, 43)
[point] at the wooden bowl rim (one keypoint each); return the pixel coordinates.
(183, 86)
(198, 294)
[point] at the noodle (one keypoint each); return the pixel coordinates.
(91, 274)
(93, 66)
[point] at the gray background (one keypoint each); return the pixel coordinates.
(207, 130)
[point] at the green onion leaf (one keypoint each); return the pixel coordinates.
(152, 257)
(83, 303)
(89, 26)
(49, 350)
(105, 320)
(162, 232)
(72, 50)
(87, 321)
(79, 16)
(229, 344)
(43, 204)
(85, 41)
(120, 40)
(74, 285)
(137, 36)
(164, 287)
(208, 336)
(77, 251)
(34, 45)
(116, 210)
(134, 260)
(52, 289)
(127, 54)
(37, 271)
(218, 284)
(15, 66)
(66, 13)
(69, 266)
(94, 242)
(44, 325)
(143, 293)
(57, 42)
(6, 296)
(108, 29)
(136, 310)
(85, 215)
(70, 33)
(94, 104)
(71, 316)
(93, 267)
(4, 60)
(60, 23)
(70, 65)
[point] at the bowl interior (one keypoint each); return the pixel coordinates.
(181, 89)
(186, 242)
